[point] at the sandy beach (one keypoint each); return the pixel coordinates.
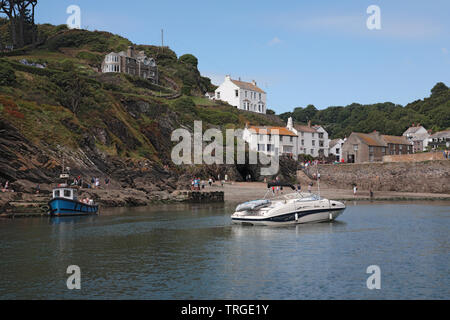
(244, 191)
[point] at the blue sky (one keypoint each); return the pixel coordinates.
(300, 52)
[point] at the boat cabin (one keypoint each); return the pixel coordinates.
(65, 193)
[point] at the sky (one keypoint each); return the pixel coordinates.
(299, 52)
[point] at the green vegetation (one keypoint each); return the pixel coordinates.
(69, 104)
(388, 118)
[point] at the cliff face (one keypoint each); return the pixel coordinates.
(101, 125)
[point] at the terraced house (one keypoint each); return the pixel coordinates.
(371, 147)
(312, 140)
(271, 140)
(131, 62)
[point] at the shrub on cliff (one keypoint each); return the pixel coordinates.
(189, 59)
(7, 75)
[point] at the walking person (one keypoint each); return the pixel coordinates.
(355, 188)
(210, 182)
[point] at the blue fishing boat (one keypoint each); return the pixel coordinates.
(66, 203)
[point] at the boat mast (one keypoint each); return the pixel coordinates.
(318, 179)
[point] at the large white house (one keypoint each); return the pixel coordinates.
(312, 140)
(243, 95)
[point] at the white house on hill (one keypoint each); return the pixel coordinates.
(243, 95)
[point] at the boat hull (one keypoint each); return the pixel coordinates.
(298, 217)
(64, 207)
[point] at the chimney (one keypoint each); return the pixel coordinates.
(227, 77)
(290, 124)
(254, 82)
(130, 51)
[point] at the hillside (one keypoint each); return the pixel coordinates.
(432, 112)
(102, 124)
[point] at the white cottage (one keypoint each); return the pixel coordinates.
(336, 148)
(243, 95)
(418, 136)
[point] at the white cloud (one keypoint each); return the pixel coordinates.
(274, 41)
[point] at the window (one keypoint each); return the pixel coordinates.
(236, 92)
(338, 150)
(260, 96)
(269, 147)
(313, 135)
(320, 135)
(314, 142)
(218, 95)
(303, 134)
(261, 147)
(355, 147)
(303, 142)
(371, 149)
(291, 139)
(312, 151)
(320, 143)
(57, 194)
(246, 94)
(67, 194)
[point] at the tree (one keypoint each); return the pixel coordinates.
(73, 90)
(189, 59)
(21, 20)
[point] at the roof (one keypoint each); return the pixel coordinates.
(412, 129)
(302, 128)
(247, 85)
(334, 142)
(282, 131)
(441, 134)
(395, 139)
(370, 139)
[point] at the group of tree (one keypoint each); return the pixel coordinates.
(20, 14)
(389, 118)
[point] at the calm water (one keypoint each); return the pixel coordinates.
(193, 252)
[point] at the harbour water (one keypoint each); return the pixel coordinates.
(194, 252)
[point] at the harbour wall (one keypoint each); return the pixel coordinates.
(424, 177)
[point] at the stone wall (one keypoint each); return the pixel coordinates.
(427, 176)
(415, 157)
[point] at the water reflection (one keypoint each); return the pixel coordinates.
(195, 252)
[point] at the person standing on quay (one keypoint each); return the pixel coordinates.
(354, 190)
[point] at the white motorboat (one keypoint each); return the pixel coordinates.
(292, 208)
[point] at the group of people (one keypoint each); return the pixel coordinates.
(87, 201)
(446, 154)
(94, 183)
(4, 188)
(199, 184)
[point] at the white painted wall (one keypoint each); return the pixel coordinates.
(244, 100)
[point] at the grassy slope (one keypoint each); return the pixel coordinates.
(33, 102)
